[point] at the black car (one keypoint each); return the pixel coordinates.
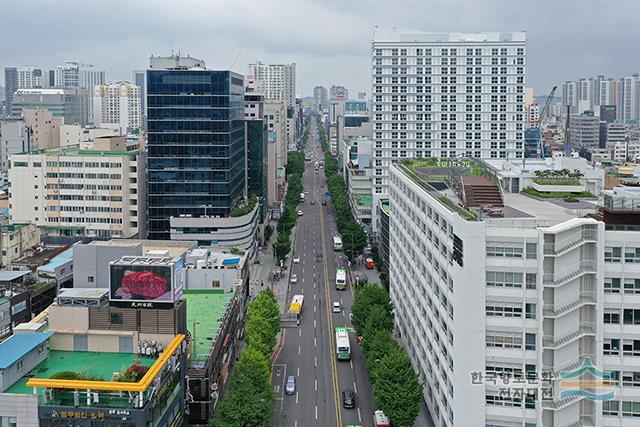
(324, 203)
(348, 399)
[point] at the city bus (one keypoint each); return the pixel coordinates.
(337, 243)
(343, 349)
(296, 305)
(341, 279)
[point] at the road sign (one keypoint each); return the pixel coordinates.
(327, 193)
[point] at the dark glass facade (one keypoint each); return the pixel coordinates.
(257, 157)
(196, 151)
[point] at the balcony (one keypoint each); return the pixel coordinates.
(568, 274)
(568, 335)
(563, 307)
(571, 242)
(571, 364)
(559, 403)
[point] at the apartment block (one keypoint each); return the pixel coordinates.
(490, 286)
(96, 193)
(446, 95)
(118, 103)
(279, 81)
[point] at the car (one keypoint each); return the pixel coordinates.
(300, 213)
(313, 202)
(324, 203)
(348, 398)
(294, 279)
(296, 259)
(290, 386)
(322, 185)
(337, 308)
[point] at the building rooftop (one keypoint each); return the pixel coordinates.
(171, 247)
(365, 200)
(406, 35)
(205, 311)
(57, 261)
(90, 363)
(17, 346)
(77, 152)
(10, 276)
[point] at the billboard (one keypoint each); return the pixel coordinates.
(142, 283)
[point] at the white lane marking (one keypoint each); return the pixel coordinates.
(342, 313)
(300, 333)
(298, 372)
(298, 350)
(314, 342)
(295, 424)
(316, 412)
(351, 363)
(296, 398)
(314, 297)
(359, 416)
(355, 388)
(315, 361)
(316, 384)
(314, 308)
(314, 323)
(341, 302)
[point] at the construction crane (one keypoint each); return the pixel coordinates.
(543, 112)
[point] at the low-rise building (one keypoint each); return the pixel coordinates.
(16, 239)
(74, 192)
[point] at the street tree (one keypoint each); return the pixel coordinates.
(367, 297)
(260, 335)
(378, 319)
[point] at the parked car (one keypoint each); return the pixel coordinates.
(296, 259)
(348, 399)
(300, 213)
(294, 279)
(290, 387)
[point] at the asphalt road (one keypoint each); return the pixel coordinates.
(309, 351)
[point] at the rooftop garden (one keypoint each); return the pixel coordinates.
(555, 195)
(248, 206)
(558, 177)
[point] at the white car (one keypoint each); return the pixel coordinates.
(296, 259)
(294, 279)
(337, 308)
(300, 213)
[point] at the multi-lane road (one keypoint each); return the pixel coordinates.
(309, 352)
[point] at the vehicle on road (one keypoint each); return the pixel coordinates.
(296, 259)
(337, 242)
(380, 419)
(301, 197)
(296, 305)
(313, 202)
(348, 399)
(294, 279)
(369, 264)
(324, 202)
(290, 386)
(343, 349)
(322, 185)
(337, 308)
(300, 213)
(341, 279)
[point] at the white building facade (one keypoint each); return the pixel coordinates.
(118, 103)
(477, 301)
(279, 80)
(97, 193)
(446, 95)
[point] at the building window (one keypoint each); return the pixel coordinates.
(612, 317)
(503, 341)
(612, 254)
(610, 407)
(504, 279)
(530, 341)
(630, 409)
(632, 255)
(532, 250)
(531, 279)
(505, 252)
(630, 317)
(530, 311)
(116, 319)
(90, 279)
(215, 283)
(611, 347)
(8, 422)
(612, 285)
(631, 379)
(503, 310)
(20, 365)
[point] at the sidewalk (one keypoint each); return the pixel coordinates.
(260, 274)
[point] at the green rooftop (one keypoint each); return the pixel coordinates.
(205, 310)
(365, 200)
(13, 227)
(384, 204)
(86, 362)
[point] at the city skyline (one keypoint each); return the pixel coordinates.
(552, 37)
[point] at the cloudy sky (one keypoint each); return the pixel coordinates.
(330, 40)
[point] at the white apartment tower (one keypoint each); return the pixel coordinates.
(446, 95)
(524, 297)
(279, 81)
(118, 103)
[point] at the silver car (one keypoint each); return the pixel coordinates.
(294, 279)
(290, 386)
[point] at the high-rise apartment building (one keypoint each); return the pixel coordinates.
(78, 74)
(140, 80)
(584, 130)
(196, 159)
(256, 134)
(118, 103)
(446, 95)
(319, 97)
(23, 78)
(279, 80)
(69, 104)
(492, 309)
(630, 99)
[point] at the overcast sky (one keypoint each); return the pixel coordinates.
(330, 40)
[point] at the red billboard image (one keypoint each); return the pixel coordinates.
(141, 283)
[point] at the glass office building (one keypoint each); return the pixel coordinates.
(196, 150)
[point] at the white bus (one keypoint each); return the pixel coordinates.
(343, 348)
(337, 243)
(301, 197)
(341, 279)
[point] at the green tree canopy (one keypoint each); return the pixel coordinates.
(367, 297)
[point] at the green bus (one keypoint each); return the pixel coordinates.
(343, 349)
